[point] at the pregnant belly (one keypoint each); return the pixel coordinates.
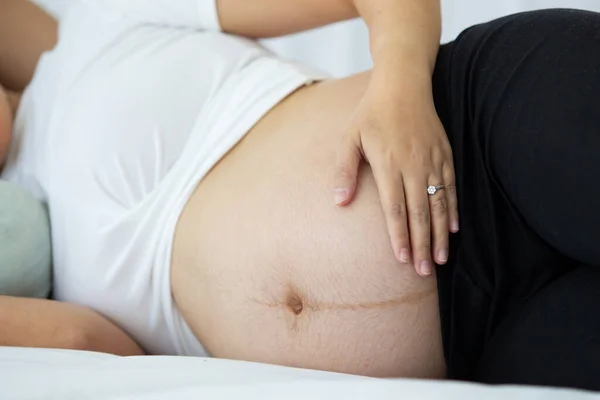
(265, 267)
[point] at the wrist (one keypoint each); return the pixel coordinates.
(408, 76)
(403, 48)
(406, 58)
(407, 81)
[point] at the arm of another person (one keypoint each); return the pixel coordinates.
(25, 33)
(50, 324)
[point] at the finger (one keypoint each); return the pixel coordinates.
(391, 192)
(450, 181)
(348, 163)
(438, 206)
(419, 224)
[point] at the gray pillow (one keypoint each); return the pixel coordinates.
(25, 249)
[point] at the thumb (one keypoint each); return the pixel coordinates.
(346, 176)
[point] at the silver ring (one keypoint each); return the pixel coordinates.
(431, 190)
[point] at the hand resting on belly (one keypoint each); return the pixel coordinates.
(266, 269)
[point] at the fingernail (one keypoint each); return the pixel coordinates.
(404, 256)
(340, 196)
(426, 268)
(454, 227)
(443, 256)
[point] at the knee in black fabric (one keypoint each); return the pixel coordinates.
(535, 81)
(552, 340)
(518, 97)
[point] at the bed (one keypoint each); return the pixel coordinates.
(59, 374)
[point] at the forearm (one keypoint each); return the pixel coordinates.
(272, 18)
(50, 324)
(404, 34)
(410, 29)
(25, 33)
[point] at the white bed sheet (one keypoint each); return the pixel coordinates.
(57, 374)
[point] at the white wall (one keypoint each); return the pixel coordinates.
(342, 49)
(54, 7)
(460, 14)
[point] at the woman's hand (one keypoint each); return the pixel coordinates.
(397, 131)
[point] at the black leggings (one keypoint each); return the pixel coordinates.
(520, 100)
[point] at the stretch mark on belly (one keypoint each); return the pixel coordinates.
(297, 303)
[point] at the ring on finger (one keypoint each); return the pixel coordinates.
(433, 189)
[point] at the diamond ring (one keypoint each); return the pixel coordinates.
(431, 190)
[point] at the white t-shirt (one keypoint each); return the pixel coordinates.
(139, 100)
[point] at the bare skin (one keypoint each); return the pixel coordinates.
(394, 127)
(50, 324)
(266, 269)
(25, 33)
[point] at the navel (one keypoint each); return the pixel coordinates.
(294, 303)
